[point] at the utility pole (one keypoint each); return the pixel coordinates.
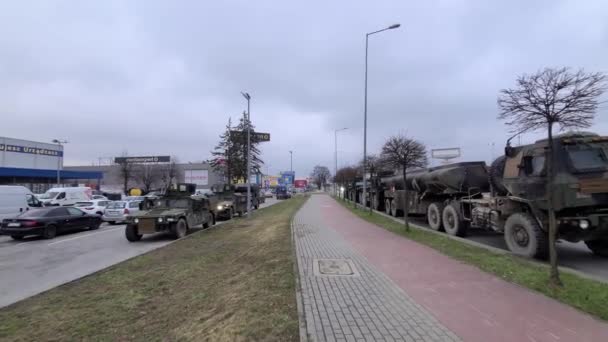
(336, 157)
(248, 125)
(59, 158)
(291, 161)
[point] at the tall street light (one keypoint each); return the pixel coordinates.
(248, 126)
(291, 161)
(365, 112)
(336, 156)
(59, 158)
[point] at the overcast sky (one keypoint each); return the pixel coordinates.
(163, 77)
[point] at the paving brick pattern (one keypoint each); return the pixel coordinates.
(365, 307)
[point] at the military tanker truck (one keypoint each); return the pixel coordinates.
(510, 195)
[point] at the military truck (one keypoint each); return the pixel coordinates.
(176, 213)
(510, 196)
(232, 199)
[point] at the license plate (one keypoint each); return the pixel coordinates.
(14, 224)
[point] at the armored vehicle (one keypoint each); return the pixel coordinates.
(232, 199)
(176, 212)
(510, 196)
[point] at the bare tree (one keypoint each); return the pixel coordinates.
(544, 99)
(147, 175)
(346, 176)
(169, 173)
(320, 175)
(402, 152)
(125, 172)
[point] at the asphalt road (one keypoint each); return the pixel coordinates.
(35, 265)
(573, 255)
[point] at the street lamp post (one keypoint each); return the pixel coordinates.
(336, 157)
(248, 98)
(59, 158)
(365, 112)
(291, 161)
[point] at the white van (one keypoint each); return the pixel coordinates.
(66, 196)
(15, 200)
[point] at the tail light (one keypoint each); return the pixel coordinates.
(29, 223)
(126, 211)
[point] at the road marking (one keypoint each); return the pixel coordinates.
(85, 235)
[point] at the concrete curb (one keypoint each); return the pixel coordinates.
(304, 337)
(489, 248)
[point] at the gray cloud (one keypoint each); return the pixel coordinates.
(156, 77)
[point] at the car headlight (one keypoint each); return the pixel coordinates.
(136, 220)
(583, 224)
(219, 207)
(160, 219)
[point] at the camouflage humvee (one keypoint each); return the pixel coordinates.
(175, 213)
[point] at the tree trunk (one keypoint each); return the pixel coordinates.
(406, 209)
(554, 274)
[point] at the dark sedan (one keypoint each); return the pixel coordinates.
(47, 222)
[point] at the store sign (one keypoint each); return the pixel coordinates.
(198, 177)
(255, 136)
(30, 150)
(141, 160)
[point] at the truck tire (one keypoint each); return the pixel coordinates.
(387, 206)
(452, 221)
(524, 236)
(393, 210)
(180, 229)
(434, 215)
(496, 174)
(132, 234)
(598, 247)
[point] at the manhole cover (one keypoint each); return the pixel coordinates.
(334, 267)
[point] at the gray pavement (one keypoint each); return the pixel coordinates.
(35, 265)
(346, 298)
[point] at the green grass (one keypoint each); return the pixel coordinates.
(233, 283)
(584, 294)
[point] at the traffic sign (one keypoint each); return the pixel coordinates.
(254, 135)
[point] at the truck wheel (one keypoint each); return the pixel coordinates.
(598, 247)
(433, 215)
(393, 210)
(50, 232)
(180, 229)
(524, 236)
(453, 222)
(387, 207)
(132, 234)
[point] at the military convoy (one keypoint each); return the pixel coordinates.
(232, 199)
(510, 196)
(176, 213)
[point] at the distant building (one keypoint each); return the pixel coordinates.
(36, 165)
(200, 174)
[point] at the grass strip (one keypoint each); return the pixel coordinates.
(584, 294)
(235, 282)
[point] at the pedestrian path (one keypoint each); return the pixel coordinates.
(361, 282)
(345, 298)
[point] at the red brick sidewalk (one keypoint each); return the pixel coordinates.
(474, 305)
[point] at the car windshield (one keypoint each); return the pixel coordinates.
(588, 159)
(116, 205)
(48, 195)
(35, 213)
(83, 204)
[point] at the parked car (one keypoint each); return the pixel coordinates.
(15, 200)
(47, 222)
(134, 198)
(65, 196)
(268, 193)
(93, 207)
(118, 211)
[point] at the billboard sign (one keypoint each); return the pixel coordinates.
(300, 183)
(142, 160)
(198, 177)
(287, 177)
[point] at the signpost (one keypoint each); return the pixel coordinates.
(256, 136)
